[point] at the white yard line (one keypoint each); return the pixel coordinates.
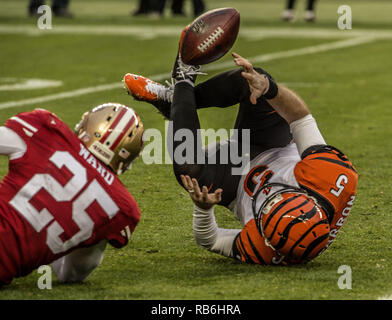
(150, 32)
(213, 67)
(297, 52)
(386, 297)
(14, 84)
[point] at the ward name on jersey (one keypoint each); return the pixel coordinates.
(57, 197)
(324, 172)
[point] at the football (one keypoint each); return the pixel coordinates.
(210, 36)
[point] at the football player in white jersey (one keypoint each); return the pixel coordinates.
(298, 190)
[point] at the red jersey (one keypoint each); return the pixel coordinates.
(57, 197)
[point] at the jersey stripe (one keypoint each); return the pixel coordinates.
(25, 124)
(299, 219)
(313, 245)
(113, 125)
(118, 128)
(242, 250)
(276, 210)
(255, 251)
(123, 132)
(341, 163)
(305, 234)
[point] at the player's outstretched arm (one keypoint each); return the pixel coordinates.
(206, 232)
(77, 266)
(288, 104)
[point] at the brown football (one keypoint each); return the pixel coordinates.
(210, 36)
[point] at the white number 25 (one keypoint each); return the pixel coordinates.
(40, 219)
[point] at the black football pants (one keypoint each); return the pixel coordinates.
(267, 129)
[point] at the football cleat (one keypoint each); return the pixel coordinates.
(182, 71)
(113, 133)
(294, 225)
(144, 89)
(309, 16)
(288, 15)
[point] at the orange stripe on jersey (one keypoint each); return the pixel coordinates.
(250, 246)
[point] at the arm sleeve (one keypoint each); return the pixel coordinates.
(77, 266)
(207, 234)
(11, 144)
(306, 133)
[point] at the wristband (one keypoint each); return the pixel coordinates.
(272, 91)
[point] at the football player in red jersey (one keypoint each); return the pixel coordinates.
(297, 192)
(61, 201)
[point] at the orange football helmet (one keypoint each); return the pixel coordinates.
(293, 224)
(113, 133)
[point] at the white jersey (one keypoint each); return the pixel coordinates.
(323, 171)
(275, 165)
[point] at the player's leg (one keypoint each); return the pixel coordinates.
(33, 7)
(267, 129)
(177, 7)
(157, 8)
(60, 8)
(288, 13)
(290, 4)
(310, 5)
(223, 90)
(143, 8)
(310, 14)
(78, 265)
(214, 175)
(147, 90)
(198, 7)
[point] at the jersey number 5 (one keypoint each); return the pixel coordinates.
(340, 183)
(68, 192)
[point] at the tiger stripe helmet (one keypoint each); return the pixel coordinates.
(294, 225)
(113, 133)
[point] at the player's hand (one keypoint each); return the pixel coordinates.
(201, 198)
(258, 83)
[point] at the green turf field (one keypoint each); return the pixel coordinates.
(344, 76)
